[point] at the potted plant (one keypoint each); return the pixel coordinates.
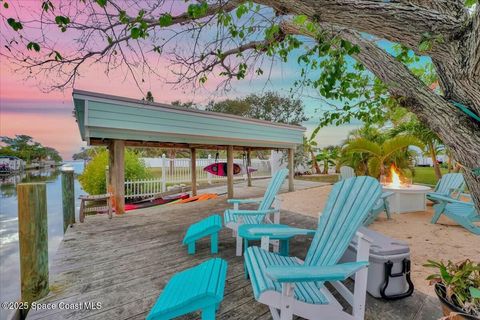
(457, 286)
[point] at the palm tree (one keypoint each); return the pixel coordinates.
(310, 146)
(428, 138)
(380, 154)
(329, 156)
(359, 160)
(368, 132)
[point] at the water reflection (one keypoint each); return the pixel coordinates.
(8, 183)
(9, 255)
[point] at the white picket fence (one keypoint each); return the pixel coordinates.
(181, 174)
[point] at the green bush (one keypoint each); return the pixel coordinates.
(93, 179)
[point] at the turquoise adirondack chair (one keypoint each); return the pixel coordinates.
(346, 172)
(462, 212)
(449, 184)
(235, 217)
(380, 206)
(292, 287)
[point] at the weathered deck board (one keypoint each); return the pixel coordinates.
(125, 262)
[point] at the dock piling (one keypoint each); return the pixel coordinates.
(68, 197)
(33, 240)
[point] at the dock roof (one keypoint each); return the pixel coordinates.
(103, 117)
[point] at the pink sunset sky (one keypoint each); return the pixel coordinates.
(47, 116)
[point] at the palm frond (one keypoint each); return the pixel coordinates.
(364, 145)
(393, 145)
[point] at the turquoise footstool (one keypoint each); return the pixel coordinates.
(207, 227)
(191, 290)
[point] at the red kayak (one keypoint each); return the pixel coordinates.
(220, 169)
(155, 202)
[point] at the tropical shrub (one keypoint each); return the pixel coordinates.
(93, 179)
(380, 155)
(461, 281)
(329, 156)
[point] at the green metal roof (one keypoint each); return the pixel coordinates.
(103, 117)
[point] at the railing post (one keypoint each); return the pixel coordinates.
(33, 241)
(291, 170)
(164, 173)
(107, 179)
(209, 175)
(68, 197)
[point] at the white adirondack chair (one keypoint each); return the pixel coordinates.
(346, 172)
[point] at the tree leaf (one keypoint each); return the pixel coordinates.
(58, 56)
(16, 25)
(475, 292)
(101, 3)
(425, 45)
(300, 19)
(470, 3)
(47, 5)
(165, 20)
(33, 46)
(135, 32)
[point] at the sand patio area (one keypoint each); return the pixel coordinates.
(442, 241)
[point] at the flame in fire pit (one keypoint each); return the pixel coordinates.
(395, 178)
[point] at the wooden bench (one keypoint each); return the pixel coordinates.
(197, 288)
(84, 199)
(207, 227)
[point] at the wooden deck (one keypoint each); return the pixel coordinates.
(125, 262)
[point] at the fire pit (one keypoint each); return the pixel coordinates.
(407, 197)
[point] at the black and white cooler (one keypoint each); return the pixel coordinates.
(389, 269)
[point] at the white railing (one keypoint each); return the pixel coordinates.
(143, 188)
(180, 173)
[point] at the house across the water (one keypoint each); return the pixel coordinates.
(10, 164)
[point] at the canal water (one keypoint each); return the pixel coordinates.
(9, 249)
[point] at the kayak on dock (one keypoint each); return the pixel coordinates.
(155, 202)
(200, 197)
(220, 169)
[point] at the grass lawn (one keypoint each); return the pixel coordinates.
(423, 175)
(426, 175)
(328, 178)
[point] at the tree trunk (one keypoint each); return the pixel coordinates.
(325, 167)
(382, 170)
(436, 166)
(315, 163)
(450, 164)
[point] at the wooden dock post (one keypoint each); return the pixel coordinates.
(33, 239)
(116, 167)
(68, 197)
(249, 163)
(230, 172)
(193, 167)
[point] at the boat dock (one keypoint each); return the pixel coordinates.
(120, 266)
